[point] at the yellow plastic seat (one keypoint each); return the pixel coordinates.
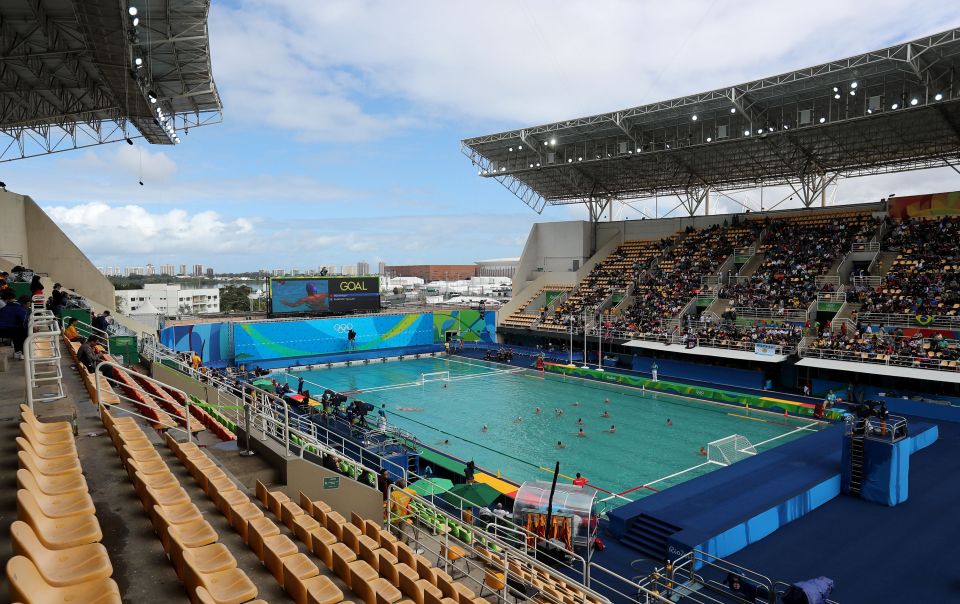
(274, 500)
(406, 556)
(320, 511)
(289, 510)
(306, 504)
(387, 567)
(405, 571)
(356, 520)
(58, 506)
(258, 530)
(63, 567)
(262, 493)
(47, 439)
(335, 524)
(360, 574)
(58, 465)
(219, 484)
(275, 549)
(389, 542)
(295, 570)
(350, 535)
(159, 480)
(342, 556)
(379, 591)
(322, 546)
(57, 533)
(165, 496)
(148, 466)
(27, 585)
(166, 516)
(203, 597)
(196, 533)
(209, 558)
(303, 527)
(231, 586)
(465, 595)
(322, 590)
(227, 498)
(368, 550)
(371, 529)
(31, 418)
(240, 516)
(62, 484)
(417, 589)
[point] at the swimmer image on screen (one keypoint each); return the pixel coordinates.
(316, 296)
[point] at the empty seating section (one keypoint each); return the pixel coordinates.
(924, 279)
(796, 251)
(665, 289)
(57, 555)
(534, 310)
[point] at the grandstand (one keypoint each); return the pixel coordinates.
(143, 476)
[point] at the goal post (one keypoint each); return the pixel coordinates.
(436, 376)
(730, 449)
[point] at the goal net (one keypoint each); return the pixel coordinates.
(436, 376)
(730, 449)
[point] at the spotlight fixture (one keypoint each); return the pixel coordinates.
(133, 11)
(894, 106)
(570, 160)
(760, 131)
(853, 85)
(823, 119)
(138, 62)
(510, 149)
(553, 142)
(694, 118)
(746, 133)
(519, 147)
(837, 96)
(531, 165)
(136, 21)
(938, 97)
(152, 96)
(853, 93)
(786, 127)
(733, 110)
(835, 89)
(914, 101)
(538, 164)
(869, 111)
(709, 139)
(579, 159)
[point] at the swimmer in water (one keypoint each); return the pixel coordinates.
(444, 442)
(560, 445)
(605, 414)
(484, 428)
(581, 433)
(606, 401)
(612, 429)
(409, 409)
(536, 410)
(518, 420)
(669, 422)
(576, 403)
(702, 452)
(559, 412)
(580, 421)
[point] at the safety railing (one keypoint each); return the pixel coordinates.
(120, 388)
(865, 246)
(903, 319)
(835, 297)
(685, 578)
(794, 315)
(866, 281)
(730, 344)
(893, 359)
(823, 280)
(86, 330)
(41, 356)
(887, 428)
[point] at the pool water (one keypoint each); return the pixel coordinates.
(521, 443)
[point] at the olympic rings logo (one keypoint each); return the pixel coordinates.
(342, 327)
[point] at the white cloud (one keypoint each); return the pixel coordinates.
(349, 70)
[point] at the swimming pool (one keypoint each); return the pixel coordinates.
(520, 443)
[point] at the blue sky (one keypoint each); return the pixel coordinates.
(342, 122)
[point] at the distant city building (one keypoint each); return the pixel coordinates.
(497, 267)
(150, 270)
(183, 269)
(166, 270)
(434, 272)
(197, 270)
(382, 268)
(363, 268)
(278, 272)
(169, 300)
(209, 272)
(133, 270)
(348, 269)
(294, 272)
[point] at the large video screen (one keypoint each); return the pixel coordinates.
(324, 294)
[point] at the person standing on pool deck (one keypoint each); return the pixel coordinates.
(300, 385)
(653, 371)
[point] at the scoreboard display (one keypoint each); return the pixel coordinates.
(323, 295)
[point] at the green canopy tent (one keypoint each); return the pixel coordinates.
(477, 494)
(431, 486)
(263, 384)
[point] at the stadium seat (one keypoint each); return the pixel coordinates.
(275, 549)
(210, 558)
(61, 484)
(322, 590)
(303, 527)
(296, 569)
(289, 510)
(58, 506)
(323, 541)
(240, 516)
(57, 533)
(342, 556)
(47, 439)
(204, 597)
(225, 586)
(258, 530)
(63, 567)
(27, 585)
(51, 467)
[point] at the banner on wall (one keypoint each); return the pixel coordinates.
(324, 294)
(211, 341)
(767, 350)
(931, 205)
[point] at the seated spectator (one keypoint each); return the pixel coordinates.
(70, 331)
(87, 354)
(14, 318)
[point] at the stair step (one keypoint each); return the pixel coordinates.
(640, 527)
(653, 551)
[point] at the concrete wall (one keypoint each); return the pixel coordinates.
(27, 231)
(349, 496)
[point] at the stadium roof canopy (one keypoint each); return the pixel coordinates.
(890, 110)
(76, 73)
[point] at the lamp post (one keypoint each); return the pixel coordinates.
(585, 366)
(600, 342)
(570, 324)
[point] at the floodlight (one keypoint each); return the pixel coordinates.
(914, 101)
(133, 11)
(853, 93)
(570, 160)
(538, 164)
(511, 149)
(709, 139)
(760, 131)
(894, 106)
(579, 159)
(835, 89)
(823, 119)
(853, 85)
(837, 96)
(786, 127)
(519, 147)
(138, 61)
(553, 141)
(136, 21)
(746, 133)
(938, 97)
(152, 96)
(733, 110)
(694, 118)
(531, 165)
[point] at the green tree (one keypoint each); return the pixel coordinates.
(233, 298)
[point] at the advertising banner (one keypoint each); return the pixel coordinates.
(767, 350)
(932, 205)
(324, 294)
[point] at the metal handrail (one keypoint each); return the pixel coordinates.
(42, 325)
(797, 315)
(117, 367)
(883, 429)
(908, 319)
(102, 335)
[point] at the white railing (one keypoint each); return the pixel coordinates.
(905, 320)
(822, 280)
(118, 389)
(41, 356)
(838, 296)
(731, 344)
(894, 359)
(865, 246)
(866, 281)
(100, 334)
(796, 315)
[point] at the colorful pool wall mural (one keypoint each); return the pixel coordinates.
(278, 343)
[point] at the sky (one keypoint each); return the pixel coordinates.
(342, 122)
